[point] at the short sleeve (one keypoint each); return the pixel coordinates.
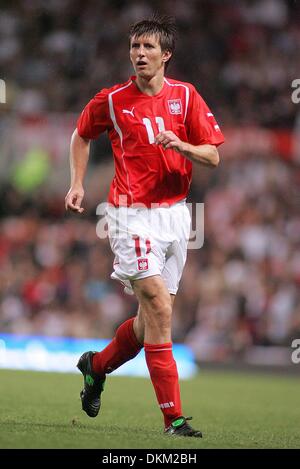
(94, 118)
(201, 125)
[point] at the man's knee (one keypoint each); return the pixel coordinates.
(157, 309)
(153, 294)
(160, 311)
(155, 302)
(150, 287)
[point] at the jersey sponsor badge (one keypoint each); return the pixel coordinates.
(143, 264)
(175, 106)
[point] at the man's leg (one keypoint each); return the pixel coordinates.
(94, 366)
(128, 341)
(156, 304)
(123, 347)
(126, 344)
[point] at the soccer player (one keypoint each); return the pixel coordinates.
(157, 127)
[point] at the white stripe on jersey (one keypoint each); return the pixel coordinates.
(119, 131)
(187, 95)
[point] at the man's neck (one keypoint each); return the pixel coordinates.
(150, 87)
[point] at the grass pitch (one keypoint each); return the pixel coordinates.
(234, 410)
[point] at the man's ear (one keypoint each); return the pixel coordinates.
(166, 56)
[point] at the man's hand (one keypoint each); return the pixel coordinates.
(74, 198)
(168, 139)
(205, 154)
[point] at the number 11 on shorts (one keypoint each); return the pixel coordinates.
(137, 245)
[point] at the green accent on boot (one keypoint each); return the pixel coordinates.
(89, 380)
(178, 422)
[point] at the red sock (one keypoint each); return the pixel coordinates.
(164, 376)
(122, 348)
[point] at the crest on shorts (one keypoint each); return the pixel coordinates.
(175, 106)
(143, 264)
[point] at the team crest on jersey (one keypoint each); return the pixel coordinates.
(175, 106)
(143, 264)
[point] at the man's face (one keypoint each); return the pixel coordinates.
(146, 55)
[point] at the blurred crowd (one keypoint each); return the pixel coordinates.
(248, 272)
(56, 54)
(240, 289)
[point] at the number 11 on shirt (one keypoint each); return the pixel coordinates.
(149, 128)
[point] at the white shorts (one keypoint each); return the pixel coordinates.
(149, 242)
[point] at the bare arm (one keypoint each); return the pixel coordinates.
(203, 154)
(79, 155)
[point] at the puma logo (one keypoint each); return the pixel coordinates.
(125, 111)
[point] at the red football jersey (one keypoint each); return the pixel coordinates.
(144, 172)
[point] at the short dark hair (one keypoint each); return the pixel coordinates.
(163, 26)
